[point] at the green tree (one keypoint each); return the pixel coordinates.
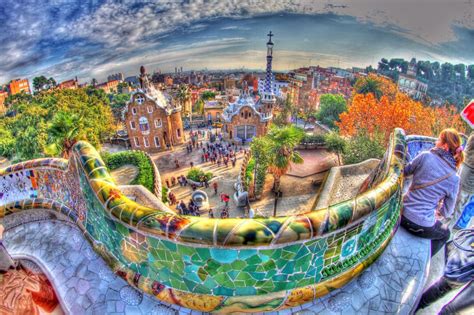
(336, 144)
(362, 147)
(30, 124)
(199, 106)
(369, 85)
(63, 133)
(260, 147)
(7, 142)
(208, 95)
(183, 95)
(331, 106)
(40, 83)
(118, 103)
(282, 144)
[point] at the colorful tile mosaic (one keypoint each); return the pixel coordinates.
(221, 265)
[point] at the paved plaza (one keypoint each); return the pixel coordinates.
(299, 189)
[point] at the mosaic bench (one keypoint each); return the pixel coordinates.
(220, 265)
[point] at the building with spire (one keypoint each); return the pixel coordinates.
(250, 116)
(152, 119)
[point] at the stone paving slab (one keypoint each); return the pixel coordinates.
(86, 285)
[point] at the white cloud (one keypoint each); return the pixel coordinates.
(132, 28)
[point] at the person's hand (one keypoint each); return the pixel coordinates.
(438, 215)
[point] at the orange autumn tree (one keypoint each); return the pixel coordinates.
(380, 116)
(447, 117)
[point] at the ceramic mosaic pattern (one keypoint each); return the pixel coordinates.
(227, 264)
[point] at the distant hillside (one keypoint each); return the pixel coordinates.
(447, 83)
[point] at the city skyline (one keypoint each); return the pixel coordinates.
(64, 39)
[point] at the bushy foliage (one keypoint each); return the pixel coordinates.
(208, 95)
(249, 172)
(395, 109)
(331, 106)
(34, 122)
(145, 175)
(447, 83)
(362, 147)
(164, 194)
(313, 139)
(195, 174)
(336, 144)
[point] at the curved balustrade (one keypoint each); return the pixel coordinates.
(218, 265)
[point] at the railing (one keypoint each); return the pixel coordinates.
(223, 265)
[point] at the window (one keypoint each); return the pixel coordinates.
(144, 127)
(145, 141)
(157, 142)
(139, 99)
(134, 111)
(132, 125)
(150, 109)
(178, 132)
(157, 123)
(137, 142)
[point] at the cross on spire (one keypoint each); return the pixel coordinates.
(270, 36)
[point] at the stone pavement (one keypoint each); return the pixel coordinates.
(316, 161)
(85, 285)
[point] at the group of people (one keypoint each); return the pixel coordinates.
(190, 209)
(430, 198)
(220, 153)
(182, 180)
(223, 215)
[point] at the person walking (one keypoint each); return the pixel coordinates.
(214, 185)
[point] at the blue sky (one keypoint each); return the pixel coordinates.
(65, 38)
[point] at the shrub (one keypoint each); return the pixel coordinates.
(145, 175)
(362, 147)
(249, 172)
(164, 194)
(313, 139)
(195, 174)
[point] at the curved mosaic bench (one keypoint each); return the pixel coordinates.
(221, 265)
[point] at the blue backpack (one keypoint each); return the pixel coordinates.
(460, 257)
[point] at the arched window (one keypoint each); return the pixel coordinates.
(144, 127)
(158, 123)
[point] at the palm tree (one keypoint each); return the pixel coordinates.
(370, 85)
(63, 133)
(183, 96)
(282, 151)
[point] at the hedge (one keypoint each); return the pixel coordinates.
(195, 174)
(313, 139)
(139, 159)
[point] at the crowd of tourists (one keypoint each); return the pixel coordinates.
(217, 152)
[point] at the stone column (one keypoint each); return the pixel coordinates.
(465, 201)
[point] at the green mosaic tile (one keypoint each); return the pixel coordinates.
(246, 253)
(254, 260)
(239, 265)
(246, 291)
(223, 291)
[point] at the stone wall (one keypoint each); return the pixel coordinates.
(222, 265)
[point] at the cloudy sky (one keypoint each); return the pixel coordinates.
(93, 38)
